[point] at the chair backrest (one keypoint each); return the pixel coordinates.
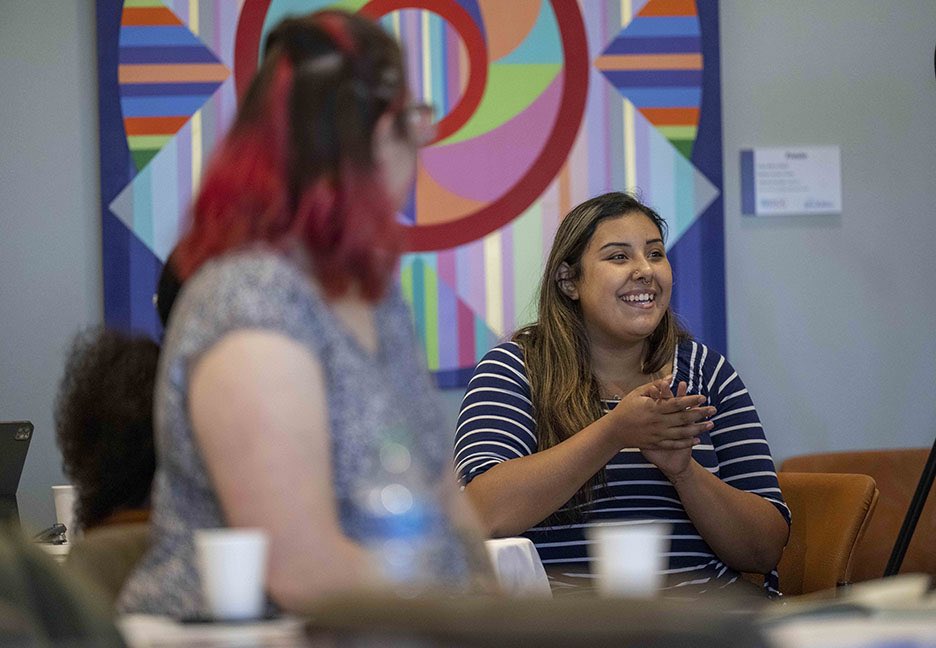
(896, 473)
(43, 605)
(106, 555)
(830, 512)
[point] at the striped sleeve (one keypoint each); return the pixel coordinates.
(744, 458)
(495, 422)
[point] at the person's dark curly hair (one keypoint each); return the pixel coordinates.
(104, 423)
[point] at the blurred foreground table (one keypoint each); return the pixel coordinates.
(149, 631)
(368, 620)
(852, 631)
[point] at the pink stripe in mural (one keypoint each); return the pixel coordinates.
(470, 276)
(466, 338)
(446, 268)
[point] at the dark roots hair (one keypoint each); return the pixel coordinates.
(104, 422)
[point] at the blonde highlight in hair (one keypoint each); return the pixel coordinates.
(566, 395)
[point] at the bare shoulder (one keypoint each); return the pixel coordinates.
(258, 360)
(254, 380)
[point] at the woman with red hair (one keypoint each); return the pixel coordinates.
(290, 365)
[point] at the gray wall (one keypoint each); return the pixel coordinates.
(50, 233)
(830, 319)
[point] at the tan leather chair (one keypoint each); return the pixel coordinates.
(106, 555)
(896, 473)
(830, 513)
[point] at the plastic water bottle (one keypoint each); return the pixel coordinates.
(399, 518)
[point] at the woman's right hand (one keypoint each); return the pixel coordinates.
(646, 419)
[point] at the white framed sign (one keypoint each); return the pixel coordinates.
(786, 181)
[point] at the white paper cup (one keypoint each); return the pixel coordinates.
(232, 566)
(629, 559)
(64, 498)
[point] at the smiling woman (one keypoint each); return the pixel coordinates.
(623, 286)
(547, 447)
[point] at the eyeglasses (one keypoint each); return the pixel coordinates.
(419, 123)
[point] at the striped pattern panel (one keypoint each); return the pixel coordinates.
(466, 299)
(656, 62)
(453, 334)
(165, 74)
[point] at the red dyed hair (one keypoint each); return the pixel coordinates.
(298, 166)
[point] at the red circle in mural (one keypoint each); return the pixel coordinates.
(247, 43)
(543, 169)
(471, 36)
(253, 14)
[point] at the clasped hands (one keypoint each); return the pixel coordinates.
(663, 425)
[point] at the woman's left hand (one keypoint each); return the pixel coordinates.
(671, 463)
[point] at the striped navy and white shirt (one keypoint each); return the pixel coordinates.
(497, 423)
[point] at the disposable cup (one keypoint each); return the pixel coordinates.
(64, 498)
(232, 566)
(629, 559)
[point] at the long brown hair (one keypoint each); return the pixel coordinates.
(566, 395)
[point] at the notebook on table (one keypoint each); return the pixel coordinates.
(14, 443)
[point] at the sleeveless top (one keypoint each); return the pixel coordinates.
(367, 394)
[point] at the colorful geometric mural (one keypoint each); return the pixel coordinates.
(541, 104)
(165, 73)
(656, 63)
